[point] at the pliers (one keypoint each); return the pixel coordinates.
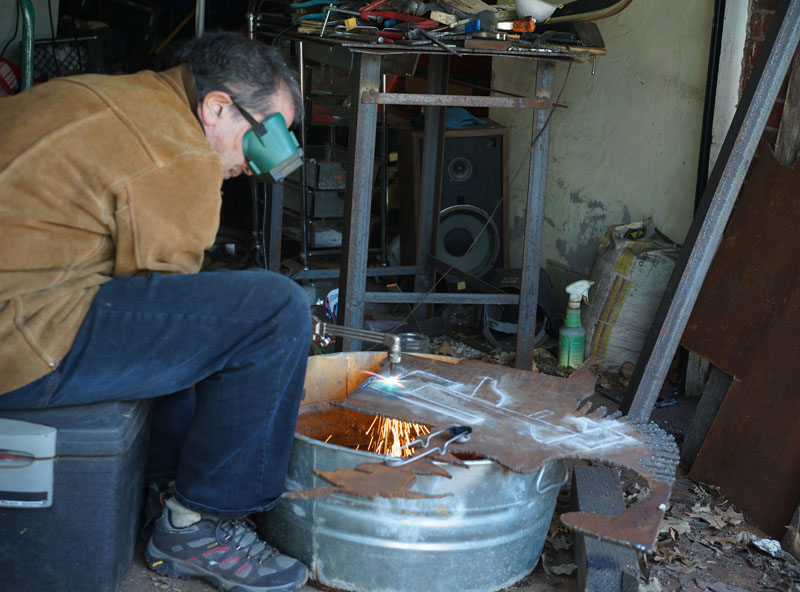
(369, 13)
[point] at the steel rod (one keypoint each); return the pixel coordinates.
(304, 240)
(384, 178)
(358, 198)
(28, 27)
(250, 15)
(318, 274)
(705, 233)
(431, 174)
(199, 18)
(255, 230)
(534, 217)
(706, 130)
(275, 224)
(434, 100)
(441, 298)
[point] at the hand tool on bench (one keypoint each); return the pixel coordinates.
(372, 12)
(367, 33)
(422, 33)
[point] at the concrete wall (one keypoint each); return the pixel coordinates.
(729, 79)
(626, 148)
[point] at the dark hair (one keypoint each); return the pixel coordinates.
(252, 71)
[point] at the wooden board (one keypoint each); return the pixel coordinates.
(787, 145)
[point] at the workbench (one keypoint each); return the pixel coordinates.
(366, 62)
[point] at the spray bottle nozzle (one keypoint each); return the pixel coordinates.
(572, 336)
(579, 291)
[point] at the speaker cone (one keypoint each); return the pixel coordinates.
(459, 227)
(461, 169)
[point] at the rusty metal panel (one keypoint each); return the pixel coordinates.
(751, 280)
(374, 480)
(522, 420)
(746, 322)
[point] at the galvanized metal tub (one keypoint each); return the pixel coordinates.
(483, 537)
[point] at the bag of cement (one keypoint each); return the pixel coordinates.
(631, 271)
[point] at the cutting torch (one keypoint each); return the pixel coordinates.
(392, 342)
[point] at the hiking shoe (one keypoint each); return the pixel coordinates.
(155, 500)
(227, 553)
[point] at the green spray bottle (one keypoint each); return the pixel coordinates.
(572, 335)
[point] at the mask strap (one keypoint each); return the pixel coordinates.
(257, 127)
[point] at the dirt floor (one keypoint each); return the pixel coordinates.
(704, 546)
(705, 543)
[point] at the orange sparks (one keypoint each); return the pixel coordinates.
(388, 436)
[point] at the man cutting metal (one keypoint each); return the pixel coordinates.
(109, 195)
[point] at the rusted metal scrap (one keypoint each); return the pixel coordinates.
(525, 420)
(374, 480)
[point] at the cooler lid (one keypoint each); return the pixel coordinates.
(100, 429)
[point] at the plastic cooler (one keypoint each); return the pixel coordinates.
(71, 486)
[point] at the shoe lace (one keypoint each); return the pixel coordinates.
(241, 535)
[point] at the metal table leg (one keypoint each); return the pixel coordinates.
(304, 238)
(358, 197)
(276, 226)
(384, 152)
(28, 22)
(532, 249)
(431, 173)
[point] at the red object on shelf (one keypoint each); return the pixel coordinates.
(369, 12)
(9, 77)
(320, 115)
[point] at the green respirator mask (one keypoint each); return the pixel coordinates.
(271, 151)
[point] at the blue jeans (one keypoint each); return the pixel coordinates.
(231, 347)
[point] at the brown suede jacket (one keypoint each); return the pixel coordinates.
(100, 177)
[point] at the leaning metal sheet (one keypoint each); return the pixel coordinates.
(524, 420)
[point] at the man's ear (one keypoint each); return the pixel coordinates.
(212, 106)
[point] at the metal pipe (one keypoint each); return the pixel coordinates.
(250, 15)
(437, 100)
(706, 135)
(440, 298)
(301, 71)
(384, 177)
(28, 22)
(360, 165)
(273, 263)
(318, 274)
(534, 217)
(705, 233)
(200, 18)
(430, 188)
(255, 234)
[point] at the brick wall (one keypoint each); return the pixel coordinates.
(761, 13)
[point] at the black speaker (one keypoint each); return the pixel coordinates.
(473, 205)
